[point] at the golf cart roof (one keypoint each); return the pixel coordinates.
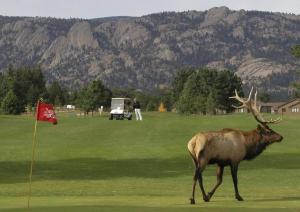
(119, 103)
(120, 98)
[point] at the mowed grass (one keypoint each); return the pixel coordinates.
(93, 164)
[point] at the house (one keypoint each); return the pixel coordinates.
(263, 107)
(269, 107)
(292, 107)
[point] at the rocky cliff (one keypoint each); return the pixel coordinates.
(145, 52)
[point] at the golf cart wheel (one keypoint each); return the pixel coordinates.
(111, 117)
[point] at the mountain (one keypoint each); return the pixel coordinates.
(145, 52)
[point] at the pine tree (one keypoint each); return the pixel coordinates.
(295, 51)
(179, 82)
(93, 96)
(188, 102)
(26, 83)
(151, 106)
(11, 104)
(211, 103)
(206, 90)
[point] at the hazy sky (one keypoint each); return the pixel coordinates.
(104, 8)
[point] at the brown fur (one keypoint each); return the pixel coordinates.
(227, 147)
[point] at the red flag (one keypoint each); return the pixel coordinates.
(45, 112)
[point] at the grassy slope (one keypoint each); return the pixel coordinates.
(92, 164)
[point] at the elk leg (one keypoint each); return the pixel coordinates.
(200, 180)
(220, 170)
(194, 185)
(234, 169)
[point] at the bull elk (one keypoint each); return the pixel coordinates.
(228, 147)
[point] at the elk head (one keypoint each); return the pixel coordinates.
(267, 134)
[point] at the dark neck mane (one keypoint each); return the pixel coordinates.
(254, 145)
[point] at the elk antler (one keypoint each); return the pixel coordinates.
(253, 108)
(245, 103)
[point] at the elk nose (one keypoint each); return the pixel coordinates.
(280, 139)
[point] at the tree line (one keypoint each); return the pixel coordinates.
(193, 91)
(21, 88)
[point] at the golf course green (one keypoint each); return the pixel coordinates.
(94, 164)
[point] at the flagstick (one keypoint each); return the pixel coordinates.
(32, 160)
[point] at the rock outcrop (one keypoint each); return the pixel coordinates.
(145, 52)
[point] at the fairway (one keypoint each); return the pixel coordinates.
(93, 164)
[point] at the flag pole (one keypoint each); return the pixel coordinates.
(32, 156)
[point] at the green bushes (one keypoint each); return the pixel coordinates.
(204, 91)
(21, 87)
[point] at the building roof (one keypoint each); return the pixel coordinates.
(271, 104)
(120, 98)
(294, 101)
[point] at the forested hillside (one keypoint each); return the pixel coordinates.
(146, 52)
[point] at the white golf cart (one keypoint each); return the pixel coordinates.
(120, 109)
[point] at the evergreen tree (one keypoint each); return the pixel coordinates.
(151, 106)
(4, 86)
(11, 104)
(124, 92)
(32, 95)
(295, 51)
(93, 96)
(264, 97)
(83, 100)
(296, 92)
(57, 101)
(206, 90)
(225, 84)
(179, 81)
(56, 94)
(211, 103)
(98, 94)
(27, 84)
(188, 101)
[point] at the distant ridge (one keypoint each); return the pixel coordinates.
(113, 18)
(145, 52)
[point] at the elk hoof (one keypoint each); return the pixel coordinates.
(206, 198)
(192, 201)
(239, 198)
